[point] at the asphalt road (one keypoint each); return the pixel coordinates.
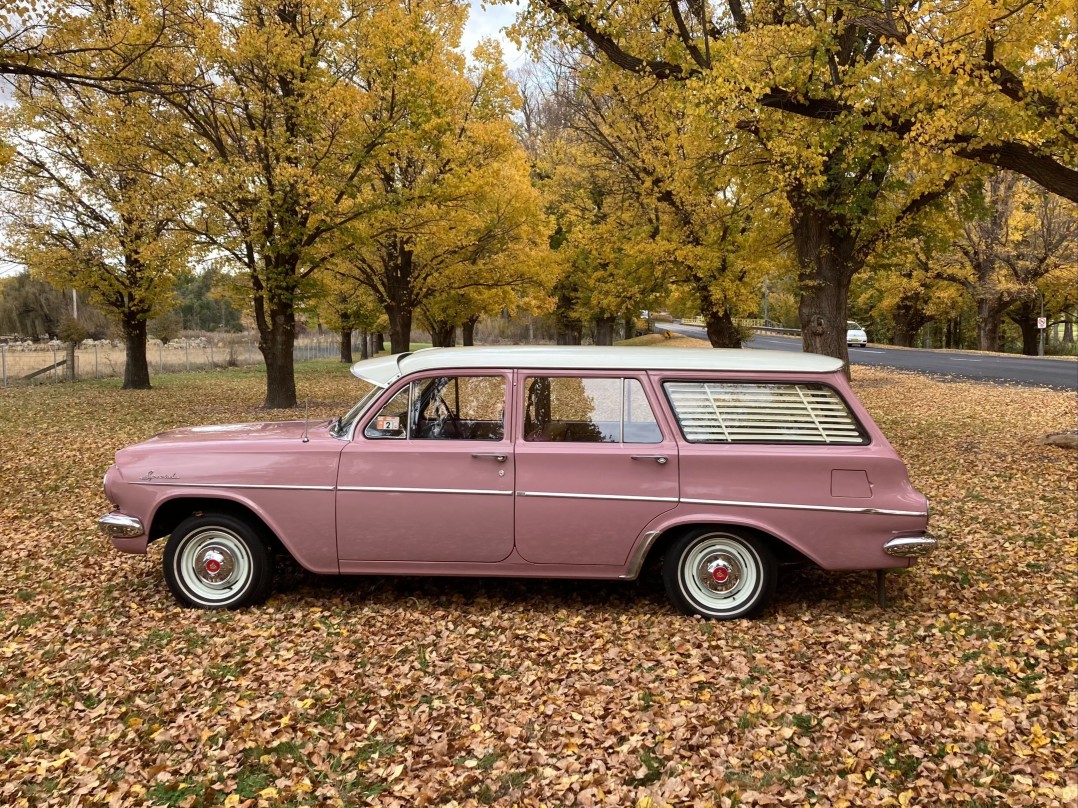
(1024, 370)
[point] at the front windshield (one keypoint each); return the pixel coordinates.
(344, 423)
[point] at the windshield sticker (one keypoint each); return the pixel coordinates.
(388, 423)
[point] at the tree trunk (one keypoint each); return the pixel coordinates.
(1068, 330)
(903, 336)
(989, 316)
(909, 318)
(718, 320)
(628, 323)
(379, 343)
(1031, 337)
(69, 366)
(825, 268)
(1024, 315)
(346, 345)
(364, 351)
(953, 334)
(276, 340)
(567, 333)
(567, 329)
(443, 335)
(467, 331)
(722, 331)
(604, 330)
(136, 368)
(400, 328)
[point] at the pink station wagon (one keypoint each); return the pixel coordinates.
(538, 461)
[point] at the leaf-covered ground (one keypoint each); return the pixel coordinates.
(442, 692)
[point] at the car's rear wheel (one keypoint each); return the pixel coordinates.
(217, 561)
(721, 574)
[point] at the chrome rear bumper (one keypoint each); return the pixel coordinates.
(910, 546)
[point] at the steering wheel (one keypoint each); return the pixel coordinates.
(446, 418)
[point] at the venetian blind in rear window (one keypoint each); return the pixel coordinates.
(737, 412)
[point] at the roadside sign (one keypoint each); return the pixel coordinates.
(1042, 322)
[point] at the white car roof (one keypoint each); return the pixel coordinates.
(384, 370)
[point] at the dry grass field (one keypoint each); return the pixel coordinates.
(446, 692)
(107, 360)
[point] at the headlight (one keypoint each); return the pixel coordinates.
(105, 484)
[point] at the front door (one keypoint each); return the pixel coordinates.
(594, 466)
(429, 475)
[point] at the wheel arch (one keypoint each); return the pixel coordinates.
(653, 545)
(171, 512)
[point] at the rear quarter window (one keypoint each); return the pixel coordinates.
(762, 412)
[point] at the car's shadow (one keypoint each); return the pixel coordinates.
(800, 588)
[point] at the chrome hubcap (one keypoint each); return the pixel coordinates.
(214, 564)
(719, 572)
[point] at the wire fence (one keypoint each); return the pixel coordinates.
(25, 363)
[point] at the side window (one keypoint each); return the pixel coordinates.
(392, 420)
(570, 409)
(745, 412)
(639, 421)
(459, 408)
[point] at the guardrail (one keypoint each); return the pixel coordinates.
(756, 324)
(774, 329)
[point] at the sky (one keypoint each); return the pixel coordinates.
(487, 21)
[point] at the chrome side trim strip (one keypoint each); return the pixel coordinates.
(622, 497)
(792, 506)
(388, 490)
(636, 559)
(171, 484)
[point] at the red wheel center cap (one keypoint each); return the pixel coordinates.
(213, 566)
(720, 574)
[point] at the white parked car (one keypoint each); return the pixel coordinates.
(855, 335)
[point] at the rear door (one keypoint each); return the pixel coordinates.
(594, 465)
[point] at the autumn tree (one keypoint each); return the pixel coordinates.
(647, 201)
(1013, 235)
(346, 307)
(64, 43)
(987, 83)
(847, 183)
(278, 145)
(905, 285)
(97, 204)
(451, 205)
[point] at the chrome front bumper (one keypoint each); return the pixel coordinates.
(910, 546)
(120, 526)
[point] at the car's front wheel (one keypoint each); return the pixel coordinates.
(719, 573)
(216, 561)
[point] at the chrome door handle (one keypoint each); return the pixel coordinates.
(490, 456)
(660, 459)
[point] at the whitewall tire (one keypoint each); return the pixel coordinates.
(217, 561)
(719, 573)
